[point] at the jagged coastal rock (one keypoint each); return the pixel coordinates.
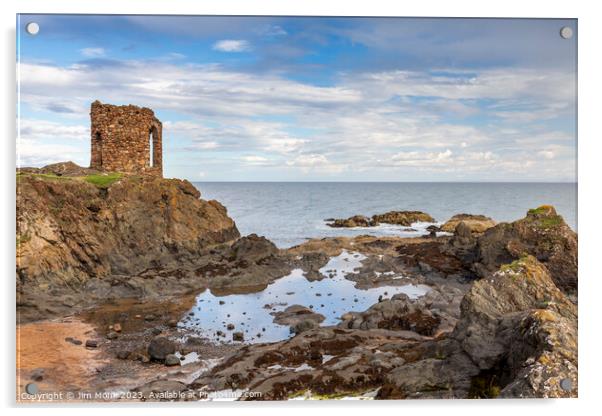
(404, 218)
(542, 234)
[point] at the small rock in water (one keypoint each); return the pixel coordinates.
(155, 331)
(221, 302)
(73, 341)
(303, 326)
(117, 327)
(172, 323)
(150, 317)
(37, 374)
(230, 327)
(160, 347)
(112, 335)
(91, 343)
(123, 354)
(171, 360)
(238, 336)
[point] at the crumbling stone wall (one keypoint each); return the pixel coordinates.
(126, 139)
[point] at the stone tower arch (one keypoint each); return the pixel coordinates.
(126, 139)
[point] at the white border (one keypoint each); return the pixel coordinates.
(590, 176)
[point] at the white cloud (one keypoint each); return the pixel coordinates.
(92, 52)
(42, 129)
(39, 153)
(355, 124)
(315, 163)
(273, 30)
(548, 154)
(231, 45)
(420, 158)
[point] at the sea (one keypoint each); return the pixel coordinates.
(289, 213)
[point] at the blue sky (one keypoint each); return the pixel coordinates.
(311, 99)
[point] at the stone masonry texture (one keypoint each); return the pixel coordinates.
(126, 139)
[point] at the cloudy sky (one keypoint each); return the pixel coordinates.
(306, 99)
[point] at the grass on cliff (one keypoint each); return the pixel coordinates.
(99, 180)
(103, 181)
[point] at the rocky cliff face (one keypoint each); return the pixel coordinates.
(74, 228)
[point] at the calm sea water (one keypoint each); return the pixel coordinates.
(290, 212)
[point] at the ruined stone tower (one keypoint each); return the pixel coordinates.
(126, 139)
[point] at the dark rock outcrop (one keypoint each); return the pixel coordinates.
(405, 218)
(351, 222)
(160, 348)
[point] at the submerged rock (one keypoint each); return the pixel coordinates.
(296, 314)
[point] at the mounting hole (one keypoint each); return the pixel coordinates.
(31, 388)
(566, 32)
(32, 28)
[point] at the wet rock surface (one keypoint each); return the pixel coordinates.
(296, 314)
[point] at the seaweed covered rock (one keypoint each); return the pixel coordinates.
(351, 222)
(475, 223)
(405, 218)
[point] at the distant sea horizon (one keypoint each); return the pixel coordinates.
(290, 212)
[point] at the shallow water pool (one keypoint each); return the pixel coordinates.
(252, 313)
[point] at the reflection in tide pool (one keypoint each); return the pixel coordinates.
(251, 313)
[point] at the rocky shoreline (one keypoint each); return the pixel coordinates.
(123, 263)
